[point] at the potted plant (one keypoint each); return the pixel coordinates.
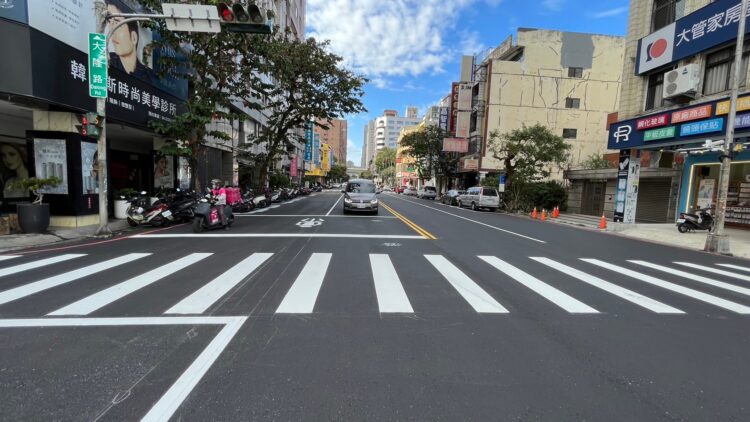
(121, 202)
(34, 217)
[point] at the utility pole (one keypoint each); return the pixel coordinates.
(718, 241)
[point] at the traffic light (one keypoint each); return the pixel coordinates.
(249, 19)
(90, 124)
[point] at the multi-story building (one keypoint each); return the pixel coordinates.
(675, 90)
(406, 173)
(568, 82)
(383, 131)
(368, 145)
(335, 136)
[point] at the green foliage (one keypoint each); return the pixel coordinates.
(278, 180)
(337, 172)
(385, 158)
(490, 182)
(367, 174)
(126, 193)
(545, 195)
(424, 146)
(596, 162)
(527, 153)
(36, 185)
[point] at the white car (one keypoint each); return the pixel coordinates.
(480, 197)
(410, 191)
(427, 192)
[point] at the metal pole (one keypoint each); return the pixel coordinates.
(718, 241)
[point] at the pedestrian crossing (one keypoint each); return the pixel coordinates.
(487, 284)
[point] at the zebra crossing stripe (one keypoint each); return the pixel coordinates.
(480, 300)
(207, 295)
(714, 270)
(548, 292)
(698, 278)
(736, 267)
(301, 297)
(4, 257)
(48, 283)
(695, 294)
(388, 288)
(36, 264)
(614, 289)
(103, 298)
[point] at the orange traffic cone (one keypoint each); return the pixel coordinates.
(556, 212)
(534, 214)
(603, 223)
(544, 214)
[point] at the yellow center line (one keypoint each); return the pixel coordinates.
(409, 223)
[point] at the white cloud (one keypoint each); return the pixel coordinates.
(470, 43)
(387, 38)
(553, 4)
(610, 12)
(353, 152)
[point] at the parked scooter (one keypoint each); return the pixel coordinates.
(157, 214)
(691, 222)
(207, 216)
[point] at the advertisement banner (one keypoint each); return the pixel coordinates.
(453, 108)
(631, 197)
(708, 27)
(309, 138)
(706, 193)
(663, 133)
(14, 10)
(293, 167)
(693, 113)
(89, 168)
(464, 97)
(455, 145)
(622, 185)
(14, 167)
(743, 104)
(699, 128)
(443, 119)
(50, 160)
(653, 121)
(316, 149)
(463, 123)
(163, 167)
(471, 164)
(130, 48)
(326, 160)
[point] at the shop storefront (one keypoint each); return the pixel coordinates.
(694, 133)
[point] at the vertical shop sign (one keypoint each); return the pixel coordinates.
(308, 141)
(622, 184)
(293, 167)
(631, 198)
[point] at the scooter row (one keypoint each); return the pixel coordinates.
(251, 200)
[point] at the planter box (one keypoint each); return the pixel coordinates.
(121, 208)
(33, 218)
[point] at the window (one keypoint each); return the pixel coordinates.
(654, 94)
(572, 103)
(719, 70)
(570, 133)
(575, 72)
(666, 12)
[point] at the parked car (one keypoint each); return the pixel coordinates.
(410, 191)
(480, 197)
(387, 189)
(399, 189)
(359, 195)
(451, 197)
(427, 192)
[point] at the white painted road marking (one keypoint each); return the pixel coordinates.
(334, 205)
(207, 295)
(306, 223)
(543, 289)
(4, 257)
(695, 294)
(715, 271)
(474, 221)
(272, 235)
(178, 392)
(736, 267)
(614, 289)
(315, 215)
(301, 297)
(388, 287)
(48, 283)
(103, 298)
(698, 278)
(480, 300)
(36, 264)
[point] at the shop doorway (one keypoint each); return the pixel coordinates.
(592, 202)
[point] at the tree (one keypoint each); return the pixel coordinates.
(385, 163)
(337, 172)
(424, 146)
(595, 162)
(309, 84)
(527, 153)
(367, 174)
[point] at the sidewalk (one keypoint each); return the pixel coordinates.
(661, 233)
(13, 242)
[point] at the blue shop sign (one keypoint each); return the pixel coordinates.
(699, 31)
(705, 126)
(308, 141)
(742, 121)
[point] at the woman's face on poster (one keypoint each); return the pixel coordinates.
(11, 157)
(162, 163)
(123, 39)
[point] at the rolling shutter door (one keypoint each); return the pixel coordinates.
(653, 201)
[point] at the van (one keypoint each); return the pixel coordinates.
(480, 197)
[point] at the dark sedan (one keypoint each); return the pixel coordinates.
(359, 195)
(451, 197)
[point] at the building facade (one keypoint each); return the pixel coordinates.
(674, 105)
(568, 82)
(383, 131)
(336, 136)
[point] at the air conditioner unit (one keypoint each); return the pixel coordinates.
(682, 81)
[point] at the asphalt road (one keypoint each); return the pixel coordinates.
(423, 312)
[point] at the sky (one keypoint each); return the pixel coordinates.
(410, 50)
